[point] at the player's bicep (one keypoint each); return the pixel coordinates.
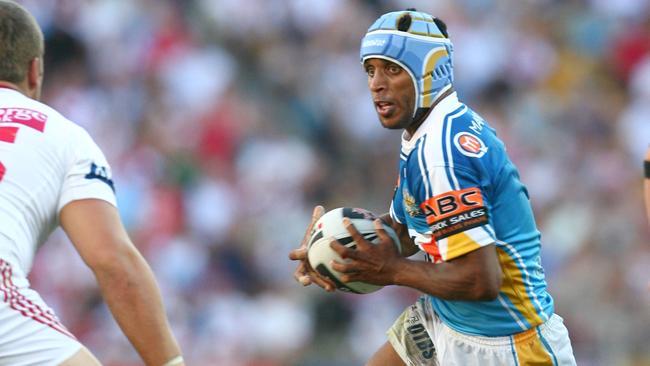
(95, 229)
(457, 214)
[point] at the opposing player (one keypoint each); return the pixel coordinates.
(51, 172)
(460, 201)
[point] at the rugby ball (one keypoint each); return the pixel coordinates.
(329, 226)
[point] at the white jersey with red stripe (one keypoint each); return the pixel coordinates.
(46, 161)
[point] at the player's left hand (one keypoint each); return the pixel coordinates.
(371, 263)
(304, 273)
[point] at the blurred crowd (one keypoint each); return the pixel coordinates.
(226, 121)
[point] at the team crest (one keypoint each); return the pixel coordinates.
(409, 203)
(470, 145)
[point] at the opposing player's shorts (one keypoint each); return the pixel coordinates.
(30, 333)
(421, 338)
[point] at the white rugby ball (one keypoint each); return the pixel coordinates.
(329, 226)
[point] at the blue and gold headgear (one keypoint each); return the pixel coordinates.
(417, 42)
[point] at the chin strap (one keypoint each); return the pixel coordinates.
(422, 113)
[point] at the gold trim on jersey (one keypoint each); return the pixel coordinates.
(514, 288)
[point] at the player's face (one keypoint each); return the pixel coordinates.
(392, 91)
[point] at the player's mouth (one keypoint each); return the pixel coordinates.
(384, 108)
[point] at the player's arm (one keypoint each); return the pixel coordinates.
(475, 276)
(125, 279)
(408, 246)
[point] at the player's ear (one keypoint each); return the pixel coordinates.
(35, 76)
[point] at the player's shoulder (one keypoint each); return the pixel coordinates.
(19, 108)
(469, 136)
(434, 144)
(57, 131)
(65, 129)
(460, 138)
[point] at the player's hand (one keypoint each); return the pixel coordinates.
(371, 263)
(304, 273)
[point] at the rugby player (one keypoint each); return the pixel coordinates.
(52, 173)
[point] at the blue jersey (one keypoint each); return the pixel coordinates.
(458, 191)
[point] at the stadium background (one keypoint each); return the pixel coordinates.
(225, 121)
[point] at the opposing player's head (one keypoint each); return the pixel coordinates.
(419, 45)
(21, 49)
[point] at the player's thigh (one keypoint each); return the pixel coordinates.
(83, 357)
(386, 356)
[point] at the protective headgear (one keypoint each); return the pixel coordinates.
(419, 44)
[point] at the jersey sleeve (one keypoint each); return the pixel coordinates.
(396, 204)
(395, 215)
(457, 212)
(89, 175)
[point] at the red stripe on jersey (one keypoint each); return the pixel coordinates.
(26, 307)
(433, 250)
(8, 134)
(2, 171)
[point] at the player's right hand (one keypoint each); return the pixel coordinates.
(304, 273)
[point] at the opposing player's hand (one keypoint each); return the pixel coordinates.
(371, 263)
(304, 273)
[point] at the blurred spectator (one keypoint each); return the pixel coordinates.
(226, 121)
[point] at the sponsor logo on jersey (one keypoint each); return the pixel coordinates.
(470, 145)
(101, 173)
(26, 117)
(454, 212)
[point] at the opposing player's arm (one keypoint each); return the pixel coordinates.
(125, 279)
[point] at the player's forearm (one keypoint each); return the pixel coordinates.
(131, 292)
(450, 280)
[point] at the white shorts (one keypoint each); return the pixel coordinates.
(30, 333)
(421, 338)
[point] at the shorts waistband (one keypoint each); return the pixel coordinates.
(505, 340)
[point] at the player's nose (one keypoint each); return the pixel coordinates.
(377, 82)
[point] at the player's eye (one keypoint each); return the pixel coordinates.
(394, 69)
(370, 71)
